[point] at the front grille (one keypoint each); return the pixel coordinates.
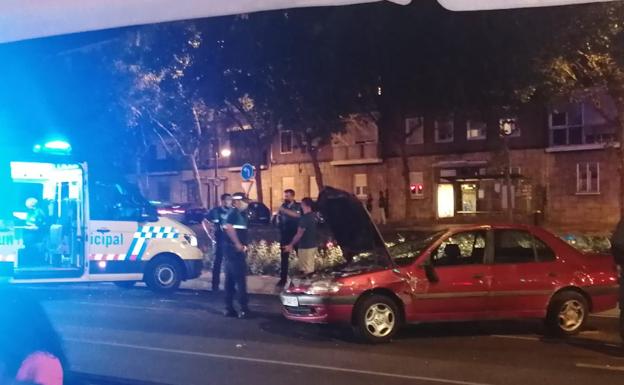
(300, 310)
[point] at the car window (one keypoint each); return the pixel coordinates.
(518, 246)
(405, 252)
(465, 248)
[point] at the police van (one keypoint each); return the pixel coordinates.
(60, 224)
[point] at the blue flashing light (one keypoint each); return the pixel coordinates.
(58, 147)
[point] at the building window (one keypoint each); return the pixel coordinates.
(444, 130)
(414, 130)
(192, 193)
(360, 185)
(566, 125)
(476, 130)
(286, 142)
(588, 178)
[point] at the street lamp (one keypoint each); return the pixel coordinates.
(226, 152)
(507, 128)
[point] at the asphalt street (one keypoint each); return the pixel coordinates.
(116, 336)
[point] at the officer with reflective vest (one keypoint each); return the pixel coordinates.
(217, 217)
(236, 257)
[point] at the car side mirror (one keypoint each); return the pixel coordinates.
(430, 272)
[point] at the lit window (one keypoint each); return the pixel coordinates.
(414, 130)
(476, 130)
(588, 178)
(286, 142)
(444, 130)
(360, 185)
(417, 187)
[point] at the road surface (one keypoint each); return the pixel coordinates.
(138, 337)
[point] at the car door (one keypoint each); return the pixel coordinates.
(524, 274)
(462, 278)
(111, 228)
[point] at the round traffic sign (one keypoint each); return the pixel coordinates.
(247, 171)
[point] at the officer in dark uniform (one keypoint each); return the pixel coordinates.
(217, 217)
(288, 221)
(235, 257)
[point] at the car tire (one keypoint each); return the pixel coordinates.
(567, 314)
(125, 284)
(164, 274)
(376, 319)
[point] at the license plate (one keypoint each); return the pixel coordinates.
(290, 301)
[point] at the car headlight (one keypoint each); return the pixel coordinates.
(323, 287)
(191, 239)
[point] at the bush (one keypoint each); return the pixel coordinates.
(264, 258)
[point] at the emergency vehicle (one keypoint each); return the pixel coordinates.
(87, 229)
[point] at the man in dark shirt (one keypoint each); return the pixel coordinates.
(217, 217)
(235, 257)
(305, 238)
(288, 220)
(617, 249)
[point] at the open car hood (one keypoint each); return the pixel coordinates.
(350, 224)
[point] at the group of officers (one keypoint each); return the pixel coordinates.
(297, 225)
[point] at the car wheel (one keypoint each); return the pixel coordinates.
(164, 275)
(376, 319)
(567, 313)
(125, 284)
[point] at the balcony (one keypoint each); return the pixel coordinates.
(360, 153)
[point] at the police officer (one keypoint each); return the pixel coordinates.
(288, 221)
(235, 257)
(617, 249)
(217, 217)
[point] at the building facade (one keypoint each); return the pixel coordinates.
(557, 167)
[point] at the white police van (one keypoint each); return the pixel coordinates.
(59, 224)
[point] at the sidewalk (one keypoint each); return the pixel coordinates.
(265, 284)
(256, 284)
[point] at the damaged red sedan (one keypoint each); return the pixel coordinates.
(479, 272)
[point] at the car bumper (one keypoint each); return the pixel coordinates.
(193, 268)
(317, 309)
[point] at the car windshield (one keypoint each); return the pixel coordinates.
(405, 251)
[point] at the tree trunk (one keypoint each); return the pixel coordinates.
(318, 174)
(258, 175)
(406, 178)
(199, 196)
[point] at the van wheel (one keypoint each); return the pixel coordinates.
(125, 284)
(567, 314)
(376, 319)
(164, 275)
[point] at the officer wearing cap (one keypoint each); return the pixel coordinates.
(235, 257)
(217, 217)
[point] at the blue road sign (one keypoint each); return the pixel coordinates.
(247, 171)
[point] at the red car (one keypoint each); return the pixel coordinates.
(478, 272)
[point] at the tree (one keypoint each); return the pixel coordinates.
(584, 59)
(162, 100)
(248, 53)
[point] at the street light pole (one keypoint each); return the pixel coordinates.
(507, 128)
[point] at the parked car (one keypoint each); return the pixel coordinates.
(258, 214)
(463, 273)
